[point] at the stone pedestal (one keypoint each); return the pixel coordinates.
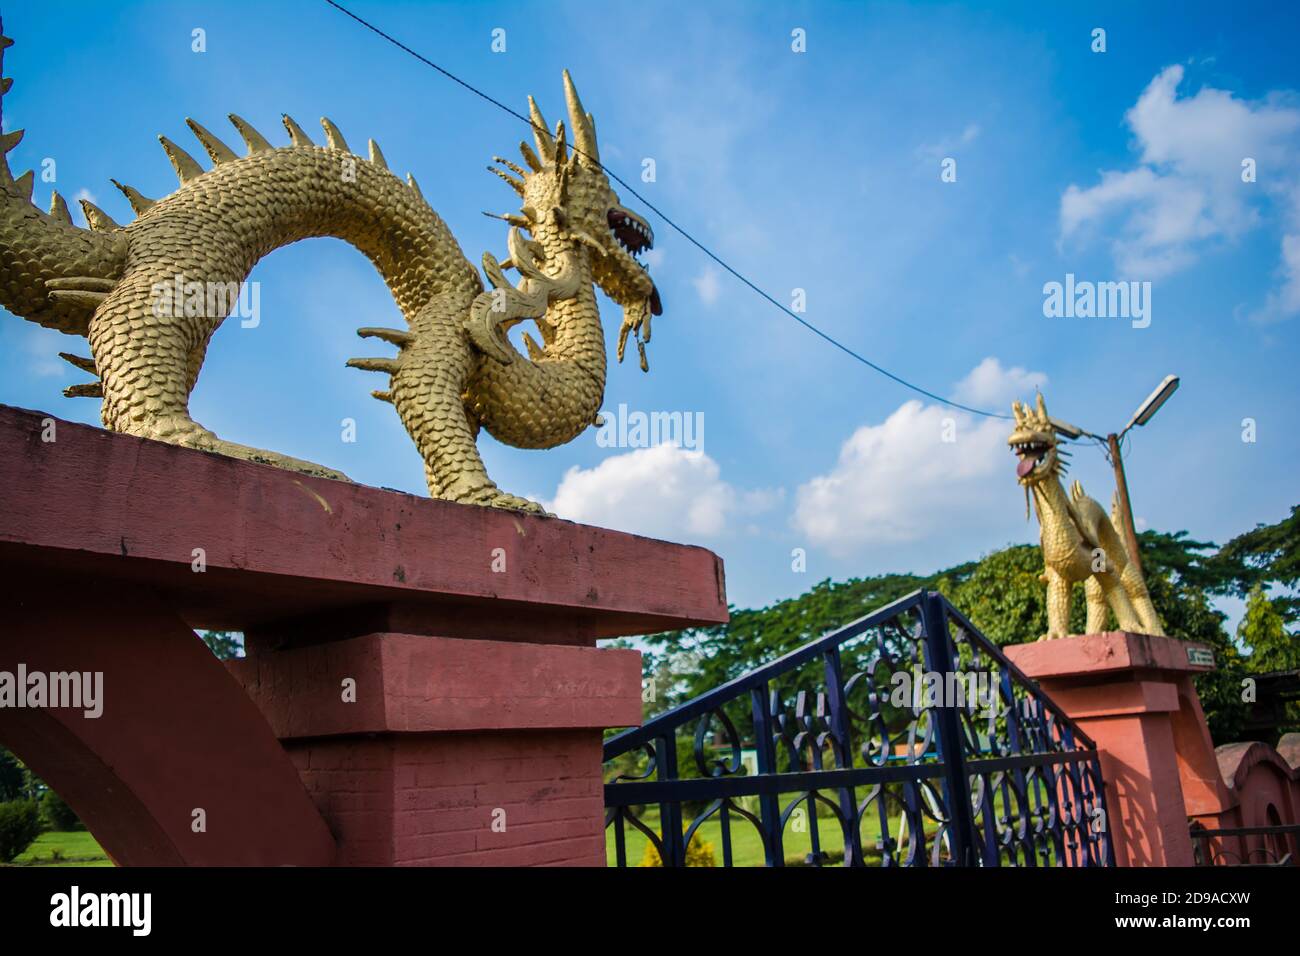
(422, 682)
(431, 750)
(1133, 694)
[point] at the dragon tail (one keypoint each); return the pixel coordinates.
(51, 272)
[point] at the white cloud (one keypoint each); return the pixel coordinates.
(1187, 191)
(989, 385)
(1285, 300)
(900, 481)
(707, 285)
(950, 144)
(663, 492)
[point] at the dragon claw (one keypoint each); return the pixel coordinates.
(493, 497)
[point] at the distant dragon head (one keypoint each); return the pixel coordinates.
(1034, 442)
(568, 203)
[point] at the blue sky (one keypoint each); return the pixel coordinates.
(817, 171)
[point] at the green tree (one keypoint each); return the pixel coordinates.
(227, 645)
(1270, 554)
(1262, 632)
(13, 777)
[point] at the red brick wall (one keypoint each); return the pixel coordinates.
(430, 799)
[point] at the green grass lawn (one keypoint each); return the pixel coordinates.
(746, 845)
(72, 848)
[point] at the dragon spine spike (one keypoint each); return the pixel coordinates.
(376, 154)
(375, 365)
(332, 135)
(24, 184)
(515, 184)
(382, 396)
(513, 167)
(255, 141)
(88, 390)
(541, 132)
(535, 351)
(216, 149)
(511, 218)
(186, 166)
(415, 187)
(394, 336)
(139, 203)
(7, 82)
(530, 157)
(584, 128)
(59, 208)
(9, 140)
(82, 298)
(96, 218)
(89, 283)
(80, 361)
(297, 135)
(547, 328)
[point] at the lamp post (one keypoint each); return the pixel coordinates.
(1146, 411)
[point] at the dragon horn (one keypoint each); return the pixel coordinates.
(541, 132)
(584, 129)
(1042, 407)
(561, 145)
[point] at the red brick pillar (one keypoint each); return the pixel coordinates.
(440, 751)
(1132, 693)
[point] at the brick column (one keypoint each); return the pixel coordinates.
(439, 751)
(1132, 693)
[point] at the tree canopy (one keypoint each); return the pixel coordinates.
(1002, 595)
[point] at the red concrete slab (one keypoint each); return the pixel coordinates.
(281, 547)
(1092, 654)
(407, 684)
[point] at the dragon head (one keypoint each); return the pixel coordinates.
(569, 205)
(1034, 442)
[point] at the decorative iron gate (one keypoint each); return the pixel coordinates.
(978, 768)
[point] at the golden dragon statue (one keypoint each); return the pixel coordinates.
(1079, 541)
(455, 371)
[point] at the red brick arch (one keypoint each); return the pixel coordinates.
(177, 733)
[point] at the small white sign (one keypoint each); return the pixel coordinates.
(1199, 656)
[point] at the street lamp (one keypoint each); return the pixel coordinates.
(1146, 411)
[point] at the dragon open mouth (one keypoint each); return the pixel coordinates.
(635, 236)
(632, 232)
(1031, 454)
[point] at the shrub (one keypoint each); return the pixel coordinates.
(698, 853)
(20, 825)
(58, 815)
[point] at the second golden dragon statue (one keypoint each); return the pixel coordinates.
(1079, 542)
(455, 370)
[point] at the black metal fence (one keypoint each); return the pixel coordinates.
(1246, 846)
(903, 739)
